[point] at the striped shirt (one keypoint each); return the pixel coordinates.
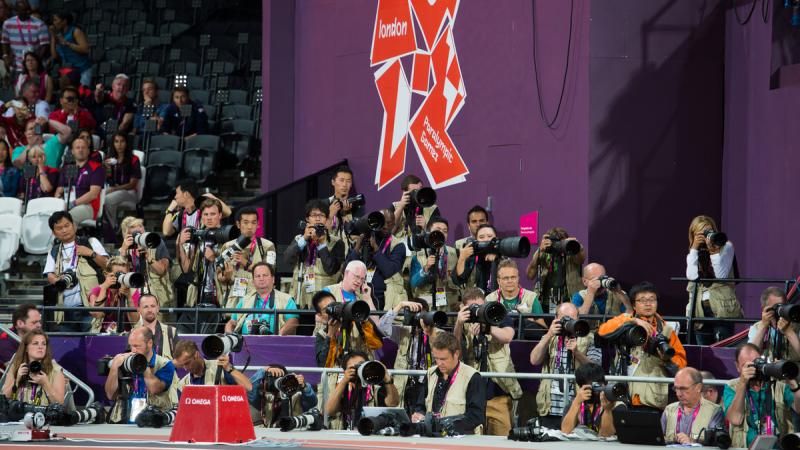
(559, 404)
(24, 36)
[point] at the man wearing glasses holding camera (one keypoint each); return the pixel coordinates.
(683, 420)
(602, 295)
(265, 296)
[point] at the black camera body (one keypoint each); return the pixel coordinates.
(778, 370)
(312, 420)
(564, 247)
(261, 328)
(531, 432)
(432, 240)
(35, 367)
(432, 426)
(658, 345)
(67, 280)
(371, 223)
(628, 336)
(422, 198)
(489, 313)
(719, 437)
(319, 229)
(429, 318)
(718, 238)
(152, 417)
(787, 311)
(54, 414)
(574, 328)
(217, 236)
(614, 392)
(357, 311)
(285, 386)
(609, 283)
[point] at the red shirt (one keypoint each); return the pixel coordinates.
(84, 118)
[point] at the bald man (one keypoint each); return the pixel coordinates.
(595, 298)
(683, 420)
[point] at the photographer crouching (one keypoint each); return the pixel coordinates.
(364, 383)
(206, 372)
(594, 402)
(279, 395)
(139, 380)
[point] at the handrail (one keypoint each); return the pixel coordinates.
(66, 372)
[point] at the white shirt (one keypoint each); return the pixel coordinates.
(69, 261)
(42, 110)
(721, 262)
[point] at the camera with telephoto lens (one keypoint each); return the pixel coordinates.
(93, 413)
(133, 364)
(146, 240)
(432, 426)
(370, 372)
(510, 247)
(422, 197)
(614, 392)
(286, 385)
(574, 328)
(133, 280)
(790, 441)
(218, 345)
(433, 240)
(370, 223)
(67, 280)
(368, 426)
(355, 202)
(237, 246)
(629, 335)
(429, 318)
(531, 432)
(261, 328)
(658, 345)
(28, 170)
(152, 417)
(787, 311)
(489, 313)
(312, 420)
(778, 370)
(319, 229)
(718, 238)
(609, 283)
(4, 405)
(564, 247)
(218, 236)
(719, 437)
(357, 311)
(54, 414)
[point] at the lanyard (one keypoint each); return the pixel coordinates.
(514, 301)
(74, 253)
(312, 254)
(28, 41)
(449, 385)
(680, 415)
(443, 265)
(559, 348)
(758, 412)
(386, 244)
(597, 412)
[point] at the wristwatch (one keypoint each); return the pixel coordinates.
(795, 389)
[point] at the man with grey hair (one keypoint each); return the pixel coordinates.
(354, 286)
(683, 420)
(777, 337)
(122, 107)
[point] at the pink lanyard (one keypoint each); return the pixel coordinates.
(680, 414)
(559, 347)
(597, 413)
(21, 36)
(386, 244)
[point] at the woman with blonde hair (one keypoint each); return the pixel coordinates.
(25, 383)
(711, 256)
(151, 262)
(38, 185)
(111, 294)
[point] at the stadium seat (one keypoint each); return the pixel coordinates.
(237, 96)
(202, 141)
(10, 229)
(11, 205)
(237, 111)
(198, 164)
(36, 235)
(163, 142)
(164, 96)
(165, 157)
(160, 182)
(237, 137)
(204, 97)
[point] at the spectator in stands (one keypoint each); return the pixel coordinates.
(123, 172)
(452, 388)
(89, 178)
(478, 270)
(750, 403)
(707, 260)
(35, 72)
(149, 98)
(418, 218)
(123, 107)
(206, 372)
(72, 111)
(70, 46)
(174, 121)
(476, 216)
(596, 299)
(349, 396)
(587, 409)
(94, 154)
(559, 352)
(710, 392)
(23, 33)
(164, 335)
(436, 266)
(646, 360)
(384, 257)
(110, 294)
(47, 387)
(683, 421)
(266, 403)
(316, 255)
(183, 210)
(262, 296)
(486, 349)
(152, 262)
(557, 275)
(9, 175)
(156, 387)
(514, 297)
(45, 179)
(238, 270)
(15, 124)
(83, 258)
(330, 341)
(53, 148)
(29, 97)
(340, 211)
(775, 336)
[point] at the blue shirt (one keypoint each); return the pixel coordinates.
(262, 304)
(346, 296)
(760, 400)
(165, 374)
(308, 398)
(599, 300)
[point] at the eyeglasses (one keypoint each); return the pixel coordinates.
(647, 301)
(684, 388)
(317, 215)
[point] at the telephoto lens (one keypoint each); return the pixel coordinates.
(718, 238)
(786, 311)
(310, 421)
(429, 318)
(719, 437)
(660, 343)
(370, 372)
(134, 364)
(218, 345)
(531, 432)
(35, 367)
(347, 312)
(489, 313)
(146, 240)
(572, 327)
(609, 283)
(778, 370)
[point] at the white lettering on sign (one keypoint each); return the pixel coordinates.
(197, 401)
(393, 29)
(232, 398)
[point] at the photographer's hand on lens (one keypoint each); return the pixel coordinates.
(333, 327)
(646, 325)
(555, 328)
(545, 243)
(767, 316)
(463, 315)
(127, 244)
(185, 236)
(111, 279)
(466, 252)
(301, 380)
(224, 361)
(412, 306)
(430, 262)
(748, 373)
(39, 378)
(594, 285)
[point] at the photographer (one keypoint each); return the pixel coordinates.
(72, 269)
(556, 267)
(589, 409)
(486, 349)
(154, 263)
(474, 270)
(752, 401)
(384, 257)
(205, 372)
(515, 298)
(476, 216)
(111, 294)
(263, 297)
(41, 387)
(184, 211)
(452, 388)
(340, 209)
(411, 218)
(561, 352)
(315, 255)
(649, 359)
(350, 395)
(598, 299)
(777, 337)
(435, 267)
(131, 392)
(268, 404)
(683, 420)
(711, 255)
(83, 191)
(354, 287)
(238, 270)
(413, 346)
(164, 336)
(332, 341)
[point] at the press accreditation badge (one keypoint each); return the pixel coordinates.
(633, 365)
(441, 297)
(239, 287)
(309, 282)
(706, 296)
(137, 405)
(370, 274)
(271, 258)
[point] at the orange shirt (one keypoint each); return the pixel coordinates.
(613, 324)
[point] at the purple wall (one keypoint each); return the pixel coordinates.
(761, 158)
